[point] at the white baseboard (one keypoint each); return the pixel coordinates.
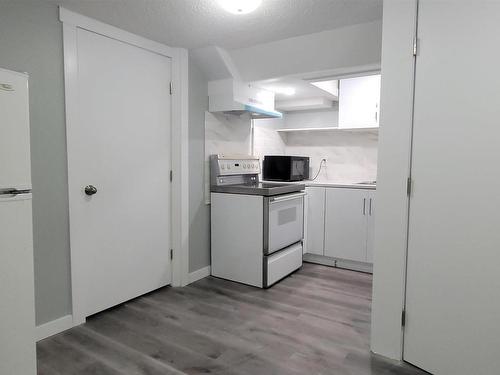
(199, 274)
(54, 327)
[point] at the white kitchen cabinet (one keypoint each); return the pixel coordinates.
(340, 224)
(370, 225)
(359, 102)
(315, 218)
(345, 224)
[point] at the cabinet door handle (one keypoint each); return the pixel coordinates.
(370, 210)
(364, 206)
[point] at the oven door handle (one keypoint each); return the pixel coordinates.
(288, 197)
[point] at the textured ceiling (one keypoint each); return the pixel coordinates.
(199, 23)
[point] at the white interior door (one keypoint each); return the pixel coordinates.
(120, 236)
(453, 278)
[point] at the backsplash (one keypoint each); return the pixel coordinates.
(266, 140)
(351, 156)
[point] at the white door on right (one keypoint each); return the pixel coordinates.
(120, 231)
(453, 279)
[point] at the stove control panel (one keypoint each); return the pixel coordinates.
(230, 167)
(235, 169)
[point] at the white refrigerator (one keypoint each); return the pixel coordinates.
(17, 300)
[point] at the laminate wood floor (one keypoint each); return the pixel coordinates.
(317, 321)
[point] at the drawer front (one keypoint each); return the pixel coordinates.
(283, 263)
(284, 222)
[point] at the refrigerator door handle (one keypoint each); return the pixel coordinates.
(13, 191)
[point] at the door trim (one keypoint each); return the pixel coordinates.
(179, 141)
(409, 189)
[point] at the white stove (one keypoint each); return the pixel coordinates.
(257, 228)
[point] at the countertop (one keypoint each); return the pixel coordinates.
(345, 185)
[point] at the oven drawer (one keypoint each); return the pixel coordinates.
(283, 221)
(282, 263)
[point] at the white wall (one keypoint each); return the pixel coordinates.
(351, 156)
(266, 140)
(339, 49)
(394, 159)
(215, 63)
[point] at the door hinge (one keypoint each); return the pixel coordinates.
(171, 86)
(415, 46)
(171, 254)
(171, 175)
(408, 186)
(403, 318)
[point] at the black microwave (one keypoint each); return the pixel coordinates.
(285, 168)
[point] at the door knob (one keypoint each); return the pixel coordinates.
(90, 190)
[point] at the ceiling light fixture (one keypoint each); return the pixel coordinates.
(239, 6)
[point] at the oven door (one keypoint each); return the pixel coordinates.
(283, 221)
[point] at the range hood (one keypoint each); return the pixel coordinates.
(234, 97)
